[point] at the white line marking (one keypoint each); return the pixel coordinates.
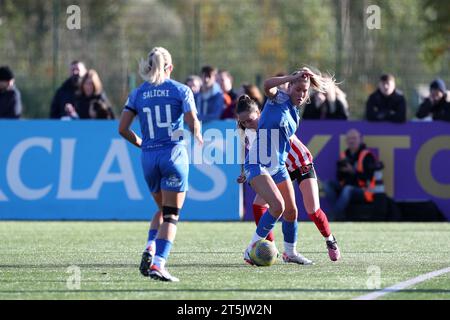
(402, 285)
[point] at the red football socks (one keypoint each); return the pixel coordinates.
(258, 212)
(321, 221)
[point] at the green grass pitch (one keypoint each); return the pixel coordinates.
(207, 257)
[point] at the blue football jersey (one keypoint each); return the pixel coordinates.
(161, 111)
(279, 118)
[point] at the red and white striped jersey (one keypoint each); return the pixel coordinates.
(298, 156)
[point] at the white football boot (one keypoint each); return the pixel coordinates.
(247, 258)
(297, 258)
(161, 274)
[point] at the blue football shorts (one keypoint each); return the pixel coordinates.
(278, 174)
(166, 169)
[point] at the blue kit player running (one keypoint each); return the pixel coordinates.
(162, 105)
(265, 164)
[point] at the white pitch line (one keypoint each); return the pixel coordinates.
(402, 285)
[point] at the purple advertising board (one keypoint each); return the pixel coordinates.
(416, 157)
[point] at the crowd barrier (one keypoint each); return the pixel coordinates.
(83, 170)
(415, 156)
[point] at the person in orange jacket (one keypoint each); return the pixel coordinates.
(355, 174)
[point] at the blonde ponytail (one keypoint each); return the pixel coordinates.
(154, 69)
(318, 82)
(322, 83)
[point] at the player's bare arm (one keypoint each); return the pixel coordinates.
(271, 84)
(194, 125)
(126, 120)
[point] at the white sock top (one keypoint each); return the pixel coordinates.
(159, 262)
(290, 248)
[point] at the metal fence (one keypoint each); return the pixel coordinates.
(252, 39)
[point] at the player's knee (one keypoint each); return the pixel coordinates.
(277, 207)
(170, 215)
(290, 214)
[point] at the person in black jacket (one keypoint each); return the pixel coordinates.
(437, 104)
(10, 100)
(91, 89)
(330, 106)
(387, 103)
(100, 110)
(66, 94)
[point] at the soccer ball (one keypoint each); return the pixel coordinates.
(264, 253)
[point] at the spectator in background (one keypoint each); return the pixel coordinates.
(70, 113)
(210, 100)
(66, 94)
(194, 82)
(437, 104)
(10, 99)
(225, 81)
(98, 109)
(355, 174)
(91, 89)
(254, 93)
(387, 103)
(332, 105)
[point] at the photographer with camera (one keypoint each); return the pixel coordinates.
(358, 175)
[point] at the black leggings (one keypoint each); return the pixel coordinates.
(303, 173)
